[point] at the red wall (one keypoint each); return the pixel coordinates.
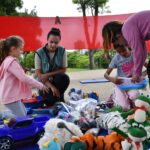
(77, 32)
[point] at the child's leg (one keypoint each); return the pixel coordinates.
(5, 113)
(121, 98)
(17, 108)
(133, 94)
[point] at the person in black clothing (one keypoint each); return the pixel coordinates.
(50, 65)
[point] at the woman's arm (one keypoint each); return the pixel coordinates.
(53, 73)
(45, 76)
(48, 83)
(137, 44)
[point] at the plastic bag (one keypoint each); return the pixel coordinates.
(87, 108)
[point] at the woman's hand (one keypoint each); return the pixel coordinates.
(45, 89)
(55, 91)
(116, 81)
(43, 77)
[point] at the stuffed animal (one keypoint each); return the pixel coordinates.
(136, 137)
(94, 95)
(111, 120)
(141, 109)
(90, 141)
(76, 94)
(61, 129)
(109, 142)
(75, 144)
(51, 145)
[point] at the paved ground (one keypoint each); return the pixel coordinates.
(104, 89)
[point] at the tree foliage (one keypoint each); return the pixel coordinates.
(11, 7)
(75, 60)
(78, 60)
(8, 7)
(27, 61)
(94, 6)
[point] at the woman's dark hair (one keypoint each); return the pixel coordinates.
(109, 32)
(6, 44)
(55, 32)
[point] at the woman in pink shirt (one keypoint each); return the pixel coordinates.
(132, 33)
(14, 83)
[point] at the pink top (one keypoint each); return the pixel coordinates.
(14, 84)
(136, 30)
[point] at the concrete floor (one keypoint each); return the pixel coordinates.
(104, 89)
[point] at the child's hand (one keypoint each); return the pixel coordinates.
(135, 79)
(45, 89)
(117, 81)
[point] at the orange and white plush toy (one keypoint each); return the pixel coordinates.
(109, 142)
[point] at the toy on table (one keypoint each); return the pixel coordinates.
(141, 110)
(108, 142)
(136, 136)
(129, 85)
(51, 145)
(106, 107)
(40, 112)
(19, 129)
(75, 146)
(138, 133)
(76, 118)
(60, 107)
(86, 107)
(73, 117)
(52, 130)
(93, 95)
(76, 94)
(111, 120)
(34, 102)
(52, 111)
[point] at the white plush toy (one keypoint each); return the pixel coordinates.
(112, 120)
(60, 129)
(141, 110)
(142, 105)
(76, 94)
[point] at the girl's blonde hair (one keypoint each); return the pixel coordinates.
(6, 44)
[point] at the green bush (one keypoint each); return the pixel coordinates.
(27, 61)
(100, 60)
(77, 60)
